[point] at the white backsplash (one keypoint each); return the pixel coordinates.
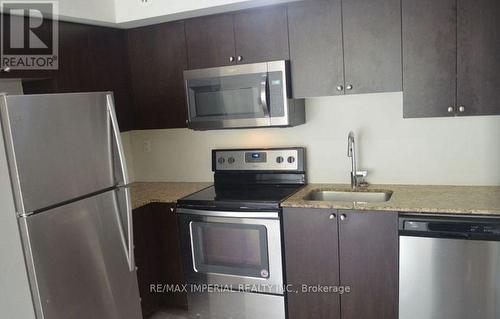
(458, 151)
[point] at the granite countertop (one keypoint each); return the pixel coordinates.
(162, 192)
(483, 200)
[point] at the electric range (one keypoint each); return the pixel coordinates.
(231, 234)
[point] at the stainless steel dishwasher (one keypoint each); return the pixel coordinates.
(449, 267)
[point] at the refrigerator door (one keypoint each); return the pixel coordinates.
(61, 147)
(77, 259)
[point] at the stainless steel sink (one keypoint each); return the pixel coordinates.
(350, 196)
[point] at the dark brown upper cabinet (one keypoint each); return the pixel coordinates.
(250, 36)
(210, 41)
(355, 249)
(372, 45)
(345, 47)
(157, 56)
(75, 62)
(429, 58)
(110, 72)
(318, 25)
(478, 91)
(261, 35)
(450, 58)
(91, 58)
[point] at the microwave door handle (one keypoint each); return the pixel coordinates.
(263, 97)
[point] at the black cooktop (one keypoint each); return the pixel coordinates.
(239, 197)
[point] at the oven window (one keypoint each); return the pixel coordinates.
(231, 249)
(229, 97)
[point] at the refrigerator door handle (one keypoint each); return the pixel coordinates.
(128, 235)
(129, 247)
(118, 141)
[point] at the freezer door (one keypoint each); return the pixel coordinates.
(61, 147)
(77, 259)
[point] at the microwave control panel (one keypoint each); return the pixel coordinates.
(277, 99)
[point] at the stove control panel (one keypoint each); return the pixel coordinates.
(276, 159)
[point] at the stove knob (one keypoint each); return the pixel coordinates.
(221, 160)
(230, 160)
(280, 159)
(290, 159)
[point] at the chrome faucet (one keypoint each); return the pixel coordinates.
(351, 152)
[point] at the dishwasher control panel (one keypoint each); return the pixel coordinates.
(450, 227)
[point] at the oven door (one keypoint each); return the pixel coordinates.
(235, 96)
(238, 250)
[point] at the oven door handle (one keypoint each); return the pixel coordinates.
(242, 214)
(263, 97)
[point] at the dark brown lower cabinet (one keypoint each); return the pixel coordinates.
(328, 248)
(311, 259)
(369, 253)
(157, 255)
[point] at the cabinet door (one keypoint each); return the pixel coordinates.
(478, 57)
(429, 57)
(210, 41)
(311, 258)
(261, 35)
(110, 72)
(171, 256)
(158, 57)
(147, 247)
(372, 45)
(318, 25)
(74, 74)
(369, 264)
(158, 256)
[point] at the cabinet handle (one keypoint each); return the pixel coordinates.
(340, 87)
(240, 58)
(349, 87)
(343, 217)
(332, 216)
(451, 109)
(231, 59)
(461, 109)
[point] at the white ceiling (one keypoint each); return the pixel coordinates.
(134, 13)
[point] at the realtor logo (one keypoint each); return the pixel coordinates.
(29, 35)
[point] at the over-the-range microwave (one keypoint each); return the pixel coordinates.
(242, 96)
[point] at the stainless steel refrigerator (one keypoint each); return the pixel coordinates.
(69, 183)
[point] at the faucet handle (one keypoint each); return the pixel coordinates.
(361, 173)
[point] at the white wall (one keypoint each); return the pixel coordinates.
(88, 10)
(99, 12)
(461, 151)
(132, 13)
